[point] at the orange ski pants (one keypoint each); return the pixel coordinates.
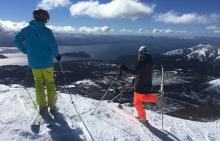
(139, 99)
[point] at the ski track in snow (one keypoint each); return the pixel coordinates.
(108, 123)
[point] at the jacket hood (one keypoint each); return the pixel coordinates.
(37, 25)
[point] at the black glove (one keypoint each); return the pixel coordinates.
(58, 57)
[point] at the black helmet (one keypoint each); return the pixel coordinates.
(41, 15)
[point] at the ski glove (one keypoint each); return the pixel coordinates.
(58, 57)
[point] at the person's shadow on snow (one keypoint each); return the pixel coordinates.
(62, 131)
(163, 135)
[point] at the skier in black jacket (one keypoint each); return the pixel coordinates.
(143, 82)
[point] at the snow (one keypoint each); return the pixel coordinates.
(174, 52)
(200, 52)
(108, 123)
(216, 81)
(217, 59)
(203, 45)
(214, 86)
(86, 82)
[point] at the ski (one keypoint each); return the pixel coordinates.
(48, 120)
(39, 120)
(35, 125)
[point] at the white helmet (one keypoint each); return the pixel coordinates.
(143, 49)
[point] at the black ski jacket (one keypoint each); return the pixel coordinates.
(143, 72)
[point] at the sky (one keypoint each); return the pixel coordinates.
(144, 17)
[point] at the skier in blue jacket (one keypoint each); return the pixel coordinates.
(38, 42)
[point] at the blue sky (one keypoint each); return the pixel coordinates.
(167, 17)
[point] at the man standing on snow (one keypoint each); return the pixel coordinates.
(143, 82)
(38, 42)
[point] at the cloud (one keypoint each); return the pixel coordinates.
(9, 26)
(95, 29)
(132, 9)
(142, 30)
(211, 27)
(50, 4)
(126, 30)
(216, 31)
(62, 29)
(175, 18)
(168, 31)
(12, 27)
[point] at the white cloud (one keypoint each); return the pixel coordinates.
(50, 4)
(211, 27)
(62, 29)
(141, 30)
(9, 26)
(95, 29)
(216, 31)
(132, 9)
(126, 30)
(169, 31)
(175, 18)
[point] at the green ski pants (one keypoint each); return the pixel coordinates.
(45, 78)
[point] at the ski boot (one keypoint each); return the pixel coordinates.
(43, 111)
(53, 110)
(46, 115)
(143, 121)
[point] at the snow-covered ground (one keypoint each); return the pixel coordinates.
(108, 123)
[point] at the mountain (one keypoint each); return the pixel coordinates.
(2, 56)
(193, 59)
(200, 52)
(213, 87)
(77, 55)
(107, 123)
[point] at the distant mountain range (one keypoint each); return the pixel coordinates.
(2, 56)
(157, 44)
(200, 58)
(77, 55)
(200, 52)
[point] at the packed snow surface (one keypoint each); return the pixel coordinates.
(108, 123)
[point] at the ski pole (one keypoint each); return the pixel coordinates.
(111, 83)
(25, 87)
(62, 71)
(65, 81)
(121, 80)
(162, 93)
(126, 87)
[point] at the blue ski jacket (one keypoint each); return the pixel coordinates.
(38, 42)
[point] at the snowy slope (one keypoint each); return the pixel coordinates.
(107, 124)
